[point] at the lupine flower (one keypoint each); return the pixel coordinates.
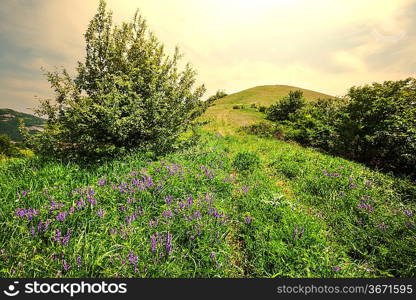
(168, 199)
(168, 243)
(91, 191)
(66, 266)
(133, 259)
(61, 216)
(66, 238)
(153, 240)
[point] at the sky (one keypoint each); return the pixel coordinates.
(323, 45)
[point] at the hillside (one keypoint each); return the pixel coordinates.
(9, 123)
(224, 118)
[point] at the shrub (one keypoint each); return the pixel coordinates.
(218, 95)
(127, 94)
(253, 105)
(286, 106)
(246, 161)
(238, 107)
(7, 149)
(262, 108)
(378, 126)
(263, 129)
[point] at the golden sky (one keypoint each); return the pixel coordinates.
(323, 45)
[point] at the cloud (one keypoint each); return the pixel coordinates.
(323, 45)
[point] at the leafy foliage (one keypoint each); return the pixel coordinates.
(9, 120)
(6, 147)
(286, 106)
(375, 124)
(127, 94)
(246, 161)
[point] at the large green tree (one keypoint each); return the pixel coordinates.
(126, 94)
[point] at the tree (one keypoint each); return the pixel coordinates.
(286, 106)
(127, 94)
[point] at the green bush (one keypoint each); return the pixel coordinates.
(286, 106)
(378, 126)
(262, 108)
(7, 149)
(246, 161)
(238, 107)
(262, 129)
(375, 124)
(127, 94)
(253, 105)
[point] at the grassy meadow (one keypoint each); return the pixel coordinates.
(231, 205)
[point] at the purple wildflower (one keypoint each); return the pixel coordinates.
(212, 255)
(66, 265)
(61, 216)
(101, 213)
(102, 182)
(168, 243)
(133, 259)
(336, 269)
(247, 219)
(66, 238)
(79, 262)
(153, 240)
(167, 214)
(168, 199)
(408, 213)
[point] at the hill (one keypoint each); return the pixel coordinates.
(9, 123)
(224, 118)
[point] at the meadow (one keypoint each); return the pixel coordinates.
(228, 206)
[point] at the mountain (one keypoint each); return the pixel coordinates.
(225, 118)
(9, 123)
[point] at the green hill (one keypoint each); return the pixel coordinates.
(9, 123)
(224, 118)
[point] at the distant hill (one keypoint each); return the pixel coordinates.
(9, 123)
(226, 118)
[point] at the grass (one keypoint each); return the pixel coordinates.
(233, 205)
(226, 120)
(283, 217)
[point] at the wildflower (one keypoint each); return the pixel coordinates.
(66, 238)
(91, 191)
(71, 209)
(24, 193)
(33, 231)
(383, 227)
(197, 215)
(133, 259)
(57, 236)
(408, 213)
(92, 201)
(79, 263)
(350, 179)
(61, 216)
(102, 182)
(66, 266)
(190, 200)
(336, 269)
(247, 219)
(168, 243)
(153, 240)
(245, 189)
(212, 255)
(368, 183)
(167, 214)
(168, 199)
(101, 213)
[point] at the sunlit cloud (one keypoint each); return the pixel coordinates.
(322, 45)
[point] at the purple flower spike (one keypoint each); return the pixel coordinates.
(168, 199)
(66, 266)
(79, 262)
(408, 213)
(336, 269)
(61, 216)
(153, 240)
(168, 243)
(247, 219)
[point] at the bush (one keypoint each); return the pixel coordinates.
(246, 161)
(262, 108)
(7, 149)
(253, 105)
(238, 107)
(263, 129)
(378, 126)
(127, 94)
(375, 124)
(286, 106)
